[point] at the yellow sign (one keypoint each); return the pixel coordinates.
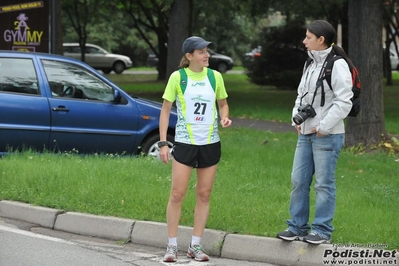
(19, 7)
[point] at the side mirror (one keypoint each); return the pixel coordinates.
(117, 96)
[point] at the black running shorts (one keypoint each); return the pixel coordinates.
(197, 156)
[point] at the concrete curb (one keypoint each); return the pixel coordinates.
(272, 250)
(217, 243)
(86, 224)
(148, 233)
(25, 212)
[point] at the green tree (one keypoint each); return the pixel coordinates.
(233, 27)
(151, 16)
(283, 54)
(282, 58)
(80, 14)
(172, 22)
(113, 31)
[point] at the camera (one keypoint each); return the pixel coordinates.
(304, 112)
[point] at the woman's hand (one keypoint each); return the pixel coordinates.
(164, 154)
(225, 122)
(298, 129)
(318, 134)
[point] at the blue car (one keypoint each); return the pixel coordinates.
(59, 104)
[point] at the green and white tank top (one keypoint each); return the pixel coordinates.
(196, 106)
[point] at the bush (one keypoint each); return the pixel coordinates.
(282, 59)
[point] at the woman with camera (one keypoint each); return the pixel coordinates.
(318, 116)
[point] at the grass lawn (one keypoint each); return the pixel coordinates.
(251, 191)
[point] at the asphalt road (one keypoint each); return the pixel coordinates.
(24, 244)
(272, 126)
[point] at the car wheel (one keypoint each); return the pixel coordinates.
(106, 71)
(119, 67)
(222, 67)
(150, 145)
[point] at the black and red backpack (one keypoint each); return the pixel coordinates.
(327, 76)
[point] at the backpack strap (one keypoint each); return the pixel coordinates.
(325, 73)
(183, 79)
(354, 72)
(211, 77)
(328, 71)
(328, 68)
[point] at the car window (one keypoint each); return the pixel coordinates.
(93, 50)
(71, 81)
(67, 49)
(76, 49)
(18, 75)
(72, 49)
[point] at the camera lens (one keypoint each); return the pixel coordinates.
(299, 118)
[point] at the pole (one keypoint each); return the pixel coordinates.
(53, 27)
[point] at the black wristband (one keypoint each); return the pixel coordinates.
(162, 143)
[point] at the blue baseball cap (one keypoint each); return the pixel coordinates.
(193, 43)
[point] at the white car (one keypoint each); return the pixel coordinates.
(394, 59)
(98, 58)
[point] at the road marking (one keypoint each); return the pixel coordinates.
(31, 234)
(155, 258)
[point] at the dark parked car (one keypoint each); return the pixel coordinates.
(219, 62)
(152, 60)
(98, 58)
(56, 103)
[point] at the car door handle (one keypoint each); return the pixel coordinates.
(60, 109)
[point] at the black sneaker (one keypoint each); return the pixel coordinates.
(316, 239)
(290, 236)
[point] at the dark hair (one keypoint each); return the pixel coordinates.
(325, 29)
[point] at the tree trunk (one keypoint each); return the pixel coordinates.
(365, 46)
(180, 27)
(59, 47)
(55, 27)
(163, 53)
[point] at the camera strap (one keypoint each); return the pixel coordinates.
(319, 82)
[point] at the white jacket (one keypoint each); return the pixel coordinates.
(329, 119)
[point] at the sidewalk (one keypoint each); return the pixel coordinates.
(217, 243)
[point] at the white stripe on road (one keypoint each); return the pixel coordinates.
(185, 261)
(31, 234)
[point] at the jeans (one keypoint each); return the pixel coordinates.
(318, 156)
